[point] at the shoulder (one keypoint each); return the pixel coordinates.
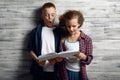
(85, 36)
(57, 31)
(88, 37)
(38, 27)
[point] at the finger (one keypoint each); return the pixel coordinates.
(59, 59)
(42, 63)
(52, 62)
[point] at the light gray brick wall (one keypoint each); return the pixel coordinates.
(102, 24)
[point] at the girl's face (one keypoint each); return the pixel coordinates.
(72, 25)
(49, 15)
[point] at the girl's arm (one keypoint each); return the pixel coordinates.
(88, 52)
(81, 56)
(87, 57)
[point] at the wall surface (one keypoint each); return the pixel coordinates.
(102, 24)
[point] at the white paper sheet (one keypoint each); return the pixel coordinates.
(60, 54)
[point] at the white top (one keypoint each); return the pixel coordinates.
(48, 46)
(72, 63)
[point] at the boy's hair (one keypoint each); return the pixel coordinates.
(70, 14)
(48, 5)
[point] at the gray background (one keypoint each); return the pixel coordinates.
(102, 24)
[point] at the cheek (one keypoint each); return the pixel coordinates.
(76, 29)
(68, 28)
(45, 19)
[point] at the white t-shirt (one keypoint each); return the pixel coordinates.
(48, 46)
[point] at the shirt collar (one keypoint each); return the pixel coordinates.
(82, 35)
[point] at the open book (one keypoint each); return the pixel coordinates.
(60, 54)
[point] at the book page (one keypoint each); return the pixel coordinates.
(63, 54)
(68, 53)
(47, 56)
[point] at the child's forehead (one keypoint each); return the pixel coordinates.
(49, 8)
(72, 18)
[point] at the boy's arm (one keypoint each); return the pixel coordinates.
(34, 57)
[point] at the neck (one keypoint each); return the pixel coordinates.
(74, 37)
(49, 26)
(75, 34)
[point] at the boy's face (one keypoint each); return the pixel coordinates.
(72, 25)
(49, 15)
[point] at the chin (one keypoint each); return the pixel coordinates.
(72, 33)
(50, 25)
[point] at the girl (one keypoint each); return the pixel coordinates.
(74, 68)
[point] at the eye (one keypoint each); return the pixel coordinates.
(46, 15)
(53, 15)
(68, 26)
(74, 25)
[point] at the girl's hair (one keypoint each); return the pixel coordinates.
(68, 15)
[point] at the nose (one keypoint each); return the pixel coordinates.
(71, 28)
(50, 16)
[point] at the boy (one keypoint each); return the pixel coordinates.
(44, 40)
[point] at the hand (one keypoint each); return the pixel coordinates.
(81, 56)
(52, 61)
(41, 63)
(58, 59)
